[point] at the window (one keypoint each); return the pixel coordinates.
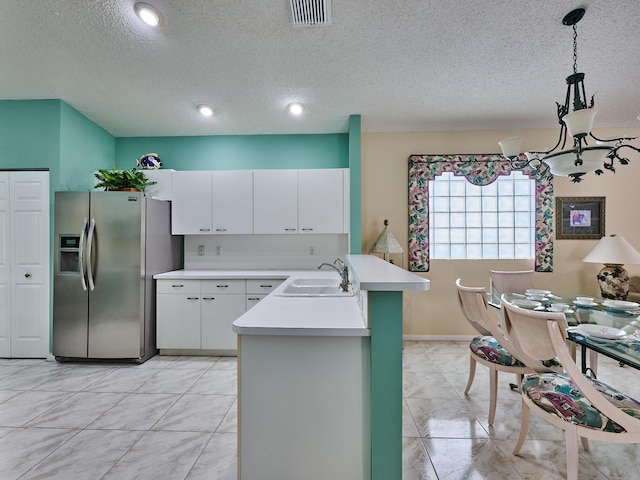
(468, 221)
(475, 224)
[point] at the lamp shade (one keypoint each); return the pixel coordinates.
(511, 146)
(580, 122)
(386, 242)
(613, 250)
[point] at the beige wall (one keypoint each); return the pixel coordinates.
(384, 196)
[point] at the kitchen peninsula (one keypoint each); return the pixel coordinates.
(320, 379)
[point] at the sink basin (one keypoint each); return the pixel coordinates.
(315, 282)
(314, 287)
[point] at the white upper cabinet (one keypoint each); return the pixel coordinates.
(191, 208)
(232, 202)
(224, 202)
(320, 201)
(275, 201)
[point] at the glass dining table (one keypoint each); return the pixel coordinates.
(625, 348)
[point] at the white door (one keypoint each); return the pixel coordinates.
(232, 202)
(275, 201)
(191, 194)
(29, 264)
(5, 268)
(320, 201)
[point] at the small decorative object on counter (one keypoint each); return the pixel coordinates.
(122, 180)
(150, 161)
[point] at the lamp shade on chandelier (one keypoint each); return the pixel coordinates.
(583, 152)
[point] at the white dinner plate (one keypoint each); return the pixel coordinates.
(528, 304)
(533, 291)
(620, 305)
(592, 304)
(600, 331)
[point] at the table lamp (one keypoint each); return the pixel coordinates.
(613, 251)
(387, 243)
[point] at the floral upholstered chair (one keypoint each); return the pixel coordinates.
(582, 406)
(485, 348)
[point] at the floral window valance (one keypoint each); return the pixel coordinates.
(479, 170)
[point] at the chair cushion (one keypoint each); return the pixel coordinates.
(556, 393)
(488, 348)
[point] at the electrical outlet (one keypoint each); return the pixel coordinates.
(200, 250)
(218, 248)
(312, 250)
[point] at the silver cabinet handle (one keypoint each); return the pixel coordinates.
(208, 298)
(222, 286)
(307, 229)
(192, 298)
(255, 299)
(221, 229)
(266, 286)
(290, 229)
(177, 286)
(205, 229)
(92, 227)
(27, 275)
(83, 235)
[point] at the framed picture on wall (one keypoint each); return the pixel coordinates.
(579, 218)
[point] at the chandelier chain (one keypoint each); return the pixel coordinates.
(575, 49)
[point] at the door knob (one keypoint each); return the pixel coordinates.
(27, 275)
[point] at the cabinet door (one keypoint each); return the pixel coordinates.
(232, 201)
(218, 314)
(162, 188)
(178, 320)
(320, 201)
(252, 300)
(275, 201)
(191, 208)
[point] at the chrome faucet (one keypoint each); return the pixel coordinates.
(342, 270)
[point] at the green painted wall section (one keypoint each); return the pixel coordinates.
(355, 179)
(385, 321)
(84, 148)
(238, 152)
(30, 135)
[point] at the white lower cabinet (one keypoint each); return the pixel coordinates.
(199, 314)
(218, 314)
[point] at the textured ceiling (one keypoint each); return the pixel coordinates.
(410, 65)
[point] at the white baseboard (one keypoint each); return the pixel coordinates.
(438, 338)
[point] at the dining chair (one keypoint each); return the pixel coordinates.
(485, 348)
(510, 281)
(580, 405)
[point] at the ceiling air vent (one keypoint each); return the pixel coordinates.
(310, 13)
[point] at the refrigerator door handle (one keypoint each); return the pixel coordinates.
(83, 234)
(92, 227)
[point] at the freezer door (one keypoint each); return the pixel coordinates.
(116, 271)
(70, 295)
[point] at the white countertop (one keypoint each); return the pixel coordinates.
(315, 316)
(376, 274)
(230, 274)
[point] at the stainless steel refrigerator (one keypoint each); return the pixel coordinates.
(108, 246)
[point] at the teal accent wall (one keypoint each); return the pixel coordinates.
(355, 179)
(238, 152)
(30, 135)
(84, 148)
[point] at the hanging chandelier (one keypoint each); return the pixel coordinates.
(576, 120)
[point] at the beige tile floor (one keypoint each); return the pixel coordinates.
(175, 418)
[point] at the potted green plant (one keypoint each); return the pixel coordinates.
(133, 179)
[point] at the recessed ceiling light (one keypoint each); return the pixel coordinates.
(205, 110)
(148, 14)
(295, 108)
